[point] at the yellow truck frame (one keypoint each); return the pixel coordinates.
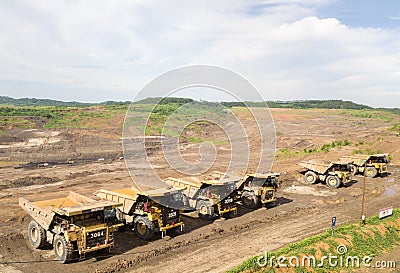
(253, 190)
(257, 189)
(210, 198)
(74, 225)
(333, 174)
(375, 164)
(146, 211)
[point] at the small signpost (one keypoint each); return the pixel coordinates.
(385, 212)
(333, 225)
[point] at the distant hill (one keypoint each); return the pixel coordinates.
(298, 104)
(48, 102)
(304, 104)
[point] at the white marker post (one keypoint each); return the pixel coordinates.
(333, 225)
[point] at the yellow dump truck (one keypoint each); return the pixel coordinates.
(253, 189)
(333, 174)
(210, 198)
(376, 164)
(256, 189)
(150, 211)
(74, 225)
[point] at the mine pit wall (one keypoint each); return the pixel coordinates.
(85, 147)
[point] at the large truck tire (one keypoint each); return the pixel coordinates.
(63, 250)
(250, 200)
(371, 172)
(310, 177)
(332, 181)
(205, 210)
(143, 227)
(36, 235)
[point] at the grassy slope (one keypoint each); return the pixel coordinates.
(373, 239)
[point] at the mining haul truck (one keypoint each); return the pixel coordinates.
(257, 189)
(74, 225)
(333, 174)
(210, 198)
(373, 164)
(253, 189)
(148, 211)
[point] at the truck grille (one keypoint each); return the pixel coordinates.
(170, 215)
(227, 203)
(96, 238)
(269, 195)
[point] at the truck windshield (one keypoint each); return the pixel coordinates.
(220, 191)
(263, 182)
(88, 219)
(343, 167)
(173, 199)
(379, 159)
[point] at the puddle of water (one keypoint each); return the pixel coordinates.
(389, 191)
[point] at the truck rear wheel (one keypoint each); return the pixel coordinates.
(250, 200)
(144, 228)
(36, 235)
(332, 181)
(371, 172)
(63, 250)
(310, 177)
(205, 210)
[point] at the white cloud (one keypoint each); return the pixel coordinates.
(89, 48)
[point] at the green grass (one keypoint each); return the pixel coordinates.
(370, 114)
(358, 241)
(289, 152)
(60, 116)
(16, 122)
(181, 116)
(324, 148)
(396, 128)
(335, 144)
(82, 118)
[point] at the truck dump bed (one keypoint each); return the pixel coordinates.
(318, 167)
(74, 204)
(128, 196)
(360, 160)
(190, 185)
(321, 167)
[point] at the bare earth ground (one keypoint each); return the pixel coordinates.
(301, 210)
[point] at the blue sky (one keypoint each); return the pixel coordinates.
(364, 13)
(289, 49)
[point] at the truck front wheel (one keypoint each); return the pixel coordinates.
(144, 228)
(63, 250)
(332, 181)
(371, 172)
(205, 210)
(36, 235)
(250, 200)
